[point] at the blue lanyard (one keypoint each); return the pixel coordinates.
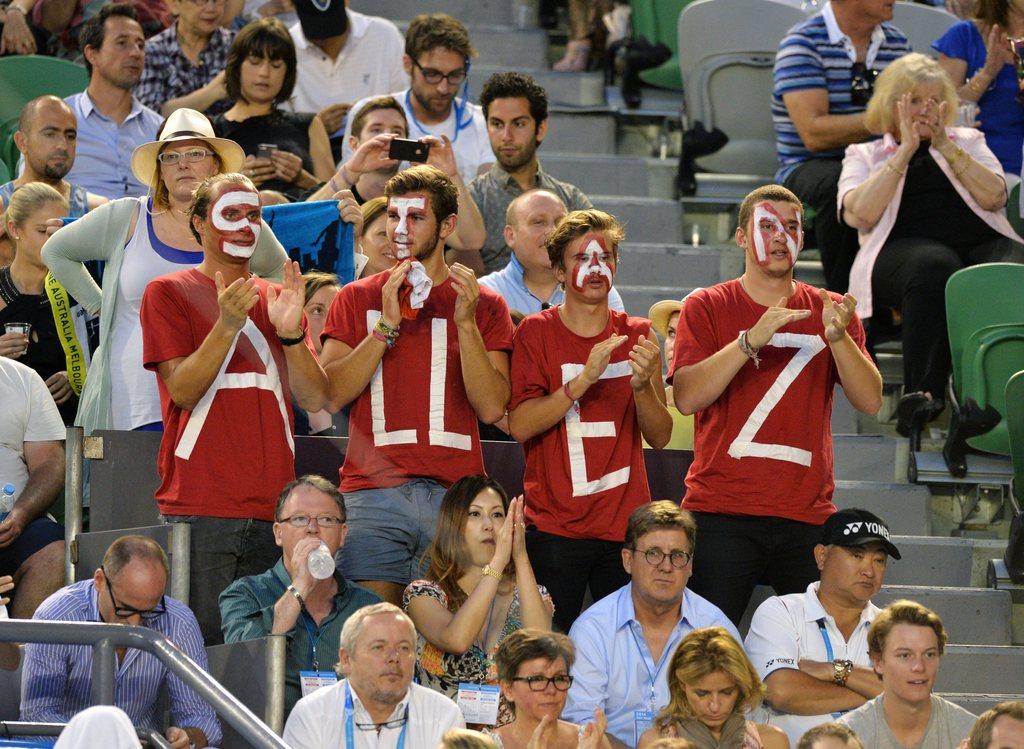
(648, 668)
(460, 124)
(314, 635)
(828, 650)
(350, 718)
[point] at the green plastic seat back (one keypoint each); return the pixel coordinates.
(992, 355)
(979, 296)
(1015, 427)
(643, 19)
(24, 77)
(668, 74)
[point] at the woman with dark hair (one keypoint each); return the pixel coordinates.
(977, 56)
(478, 590)
(711, 684)
(260, 75)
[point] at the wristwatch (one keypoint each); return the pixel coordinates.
(841, 671)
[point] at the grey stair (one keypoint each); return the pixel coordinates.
(904, 507)
(646, 219)
(572, 89)
(638, 299)
(579, 133)
(979, 703)
(973, 616)
(470, 12)
(666, 264)
(508, 48)
(613, 175)
(735, 186)
(810, 271)
(928, 560)
(865, 457)
(844, 415)
(983, 670)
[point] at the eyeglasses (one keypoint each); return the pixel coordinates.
(396, 723)
(862, 83)
(655, 557)
(433, 77)
(123, 611)
(201, 3)
(538, 683)
(170, 158)
(304, 521)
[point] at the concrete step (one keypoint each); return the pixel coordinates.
(869, 457)
(971, 616)
(613, 175)
(844, 415)
(470, 12)
(665, 264)
(810, 271)
(638, 299)
(904, 507)
(587, 133)
(508, 48)
(979, 703)
(568, 89)
(735, 186)
(981, 670)
(647, 220)
(929, 560)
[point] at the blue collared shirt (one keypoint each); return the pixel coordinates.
(104, 152)
(509, 283)
(56, 678)
(614, 667)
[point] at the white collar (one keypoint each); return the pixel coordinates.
(837, 36)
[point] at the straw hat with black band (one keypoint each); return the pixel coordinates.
(185, 124)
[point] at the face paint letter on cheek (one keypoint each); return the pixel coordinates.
(238, 235)
(767, 223)
(404, 207)
(591, 265)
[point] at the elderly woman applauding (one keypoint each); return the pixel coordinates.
(927, 200)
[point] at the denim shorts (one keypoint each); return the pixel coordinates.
(389, 530)
(37, 535)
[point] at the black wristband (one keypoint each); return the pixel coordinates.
(291, 341)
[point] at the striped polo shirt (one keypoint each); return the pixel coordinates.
(817, 54)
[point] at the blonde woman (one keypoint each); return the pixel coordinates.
(711, 683)
(927, 200)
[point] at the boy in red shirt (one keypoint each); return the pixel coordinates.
(757, 360)
(421, 351)
(584, 390)
(231, 352)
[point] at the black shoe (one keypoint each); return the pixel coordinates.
(967, 421)
(913, 411)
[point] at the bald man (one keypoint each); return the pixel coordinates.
(46, 136)
(528, 283)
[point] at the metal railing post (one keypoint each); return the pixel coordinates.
(104, 672)
(277, 653)
(181, 560)
(74, 489)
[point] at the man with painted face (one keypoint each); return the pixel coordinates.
(757, 360)
(422, 352)
(232, 353)
(585, 388)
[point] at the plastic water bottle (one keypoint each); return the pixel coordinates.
(6, 501)
(321, 562)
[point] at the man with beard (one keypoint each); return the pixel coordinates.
(421, 352)
(585, 388)
(46, 136)
(437, 57)
(757, 360)
(231, 352)
(516, 110)
(111, 122)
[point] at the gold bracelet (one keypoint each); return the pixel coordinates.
(895, 170)
(490, 572)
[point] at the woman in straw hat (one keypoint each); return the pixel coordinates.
(139, 239)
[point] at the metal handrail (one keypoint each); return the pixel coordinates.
(106, 638)
(11, 728)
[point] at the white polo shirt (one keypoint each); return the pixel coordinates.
(785, 629)
(369, 64)
(473, 152)
(318, 720)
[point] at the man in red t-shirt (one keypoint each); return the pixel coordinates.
(231, 352)
(584, 390)
(421, 352)
(757, 360)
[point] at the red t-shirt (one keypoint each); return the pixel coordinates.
(765, 446)
(232, 454)
(586, 474)
(414, 419)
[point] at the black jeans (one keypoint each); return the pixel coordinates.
(567, 566)
(736, 553)
(910, 275)
(816, 183)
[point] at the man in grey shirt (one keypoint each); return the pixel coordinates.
(516, 109)
(906, 642)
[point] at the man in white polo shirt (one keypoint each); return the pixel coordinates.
(343, 56)
(811, 648)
